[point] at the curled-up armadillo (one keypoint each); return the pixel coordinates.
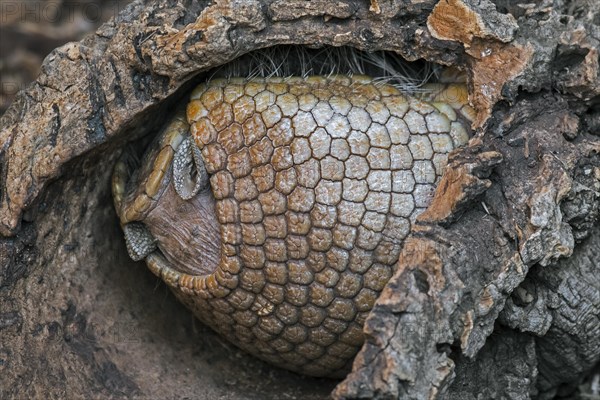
(276, 208)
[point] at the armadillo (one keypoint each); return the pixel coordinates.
(275, 208)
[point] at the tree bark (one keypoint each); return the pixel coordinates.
(484, 303)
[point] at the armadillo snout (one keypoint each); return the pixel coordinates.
(167, 203)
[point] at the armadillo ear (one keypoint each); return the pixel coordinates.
(189, 173)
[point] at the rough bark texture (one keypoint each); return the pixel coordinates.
(479, 304)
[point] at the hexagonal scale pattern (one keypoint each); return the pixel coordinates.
(316, 182)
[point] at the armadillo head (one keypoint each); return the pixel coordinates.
(276, 210)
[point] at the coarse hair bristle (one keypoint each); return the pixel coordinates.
(287, 61)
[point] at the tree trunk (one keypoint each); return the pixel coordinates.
(496, 293)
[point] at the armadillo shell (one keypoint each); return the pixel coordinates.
(311, 186)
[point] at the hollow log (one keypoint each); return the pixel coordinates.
(496, 293)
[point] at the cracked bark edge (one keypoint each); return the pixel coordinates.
(505, 368)
(550, 316)
(455, 274)
(559, 306)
